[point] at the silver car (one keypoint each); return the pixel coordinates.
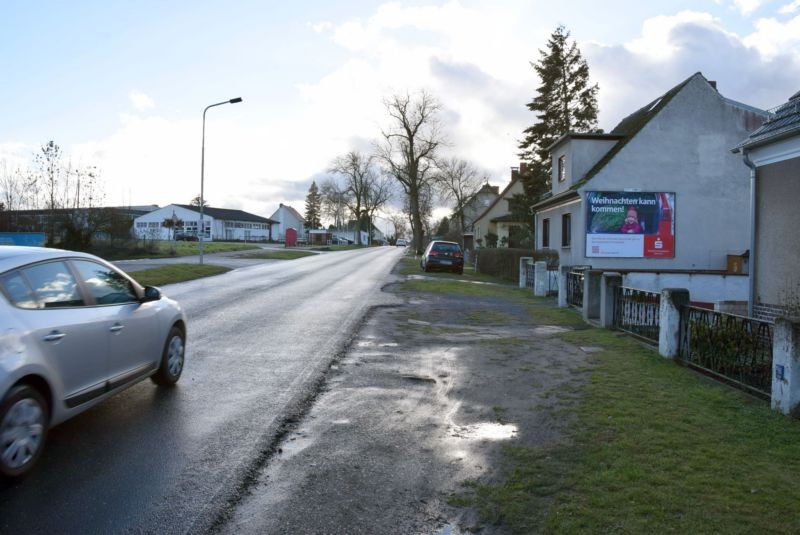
(74, 330)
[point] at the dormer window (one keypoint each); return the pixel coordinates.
(562, 168)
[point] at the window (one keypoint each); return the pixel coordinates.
(53, 285)
(106, 285)
(141, 224)
(562, 168)
(566, 230)
(18, 291)
(545, 233)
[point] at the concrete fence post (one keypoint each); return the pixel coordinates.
(608, 285)
(786, 365)
(563, 273)
(669, 313)
(591, 294)
(523, 270)
(540, 278)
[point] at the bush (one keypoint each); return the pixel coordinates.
(504, 262)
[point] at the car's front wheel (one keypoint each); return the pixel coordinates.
(23, 428)
(169, 371)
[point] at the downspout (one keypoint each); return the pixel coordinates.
(752, 274)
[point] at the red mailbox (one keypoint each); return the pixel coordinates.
(291, 237)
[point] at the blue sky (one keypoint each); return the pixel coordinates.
(123, 84)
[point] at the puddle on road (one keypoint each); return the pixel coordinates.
(485, 431)
(367, 343)
(449, 529)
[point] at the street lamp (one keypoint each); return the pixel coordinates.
(202, 227)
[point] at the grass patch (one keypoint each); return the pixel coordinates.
(162, 249)
(277, 255)
(448, 285)
(172, 273)
(655, 448)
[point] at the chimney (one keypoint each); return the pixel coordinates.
(514, 173)
(713, 83)
(523, 168)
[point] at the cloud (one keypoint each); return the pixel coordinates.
(789, 8)
(141, 101)
(751, 69)
(747, 7)
(774, 38)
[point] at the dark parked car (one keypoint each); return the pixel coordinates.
(444, 256)
(185, 236)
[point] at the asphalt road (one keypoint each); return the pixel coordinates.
(173, 460)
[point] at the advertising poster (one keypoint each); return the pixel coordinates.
(630, 224)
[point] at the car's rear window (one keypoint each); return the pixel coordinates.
(446, 248)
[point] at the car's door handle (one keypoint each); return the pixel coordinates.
(116, 328)
(54, 336)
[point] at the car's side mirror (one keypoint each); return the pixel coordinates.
(151, 293)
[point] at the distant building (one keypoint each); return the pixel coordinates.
(287, 217)
(496, 220)
(220, 224)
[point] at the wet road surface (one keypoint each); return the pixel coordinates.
(171, 460)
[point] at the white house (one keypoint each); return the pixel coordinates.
(660, 193)
(287, 217)
(220, 224)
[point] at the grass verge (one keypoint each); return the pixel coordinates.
(277, 255)
(172, 273)
(655, 448)
(162, 249)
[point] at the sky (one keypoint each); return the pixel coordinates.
(123, 85)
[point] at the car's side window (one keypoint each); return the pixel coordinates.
(18, 291)
(53, 285)
(105, 284)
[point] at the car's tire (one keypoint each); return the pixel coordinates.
(24, 418)
(459, 272)
(172, 359)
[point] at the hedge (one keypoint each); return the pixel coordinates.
(504, 262)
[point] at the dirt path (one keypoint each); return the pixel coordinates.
(423, 403)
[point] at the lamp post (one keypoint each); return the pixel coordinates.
(202, 227)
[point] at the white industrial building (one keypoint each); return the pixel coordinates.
(221, 224)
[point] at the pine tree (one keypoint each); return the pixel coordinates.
(313, 207)
(565, 102)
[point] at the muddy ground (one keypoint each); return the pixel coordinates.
(419, 407)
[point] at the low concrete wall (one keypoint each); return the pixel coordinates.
(702, 287)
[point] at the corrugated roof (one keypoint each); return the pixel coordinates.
(228, 214)
(784, 120)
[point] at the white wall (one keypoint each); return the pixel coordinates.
(702, 287)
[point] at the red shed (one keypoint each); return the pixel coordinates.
(291, 237)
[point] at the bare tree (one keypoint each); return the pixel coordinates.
(399, 222)
(408, 150)
(334, 202)
(458, 181)
(358, 172)
(50, 171)
(379, 192)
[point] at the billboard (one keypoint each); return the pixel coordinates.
(626, 224)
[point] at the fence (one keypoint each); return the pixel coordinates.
(637, 312)
(530, 275)
(575, 287)
(734, 349)
(552, 281)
